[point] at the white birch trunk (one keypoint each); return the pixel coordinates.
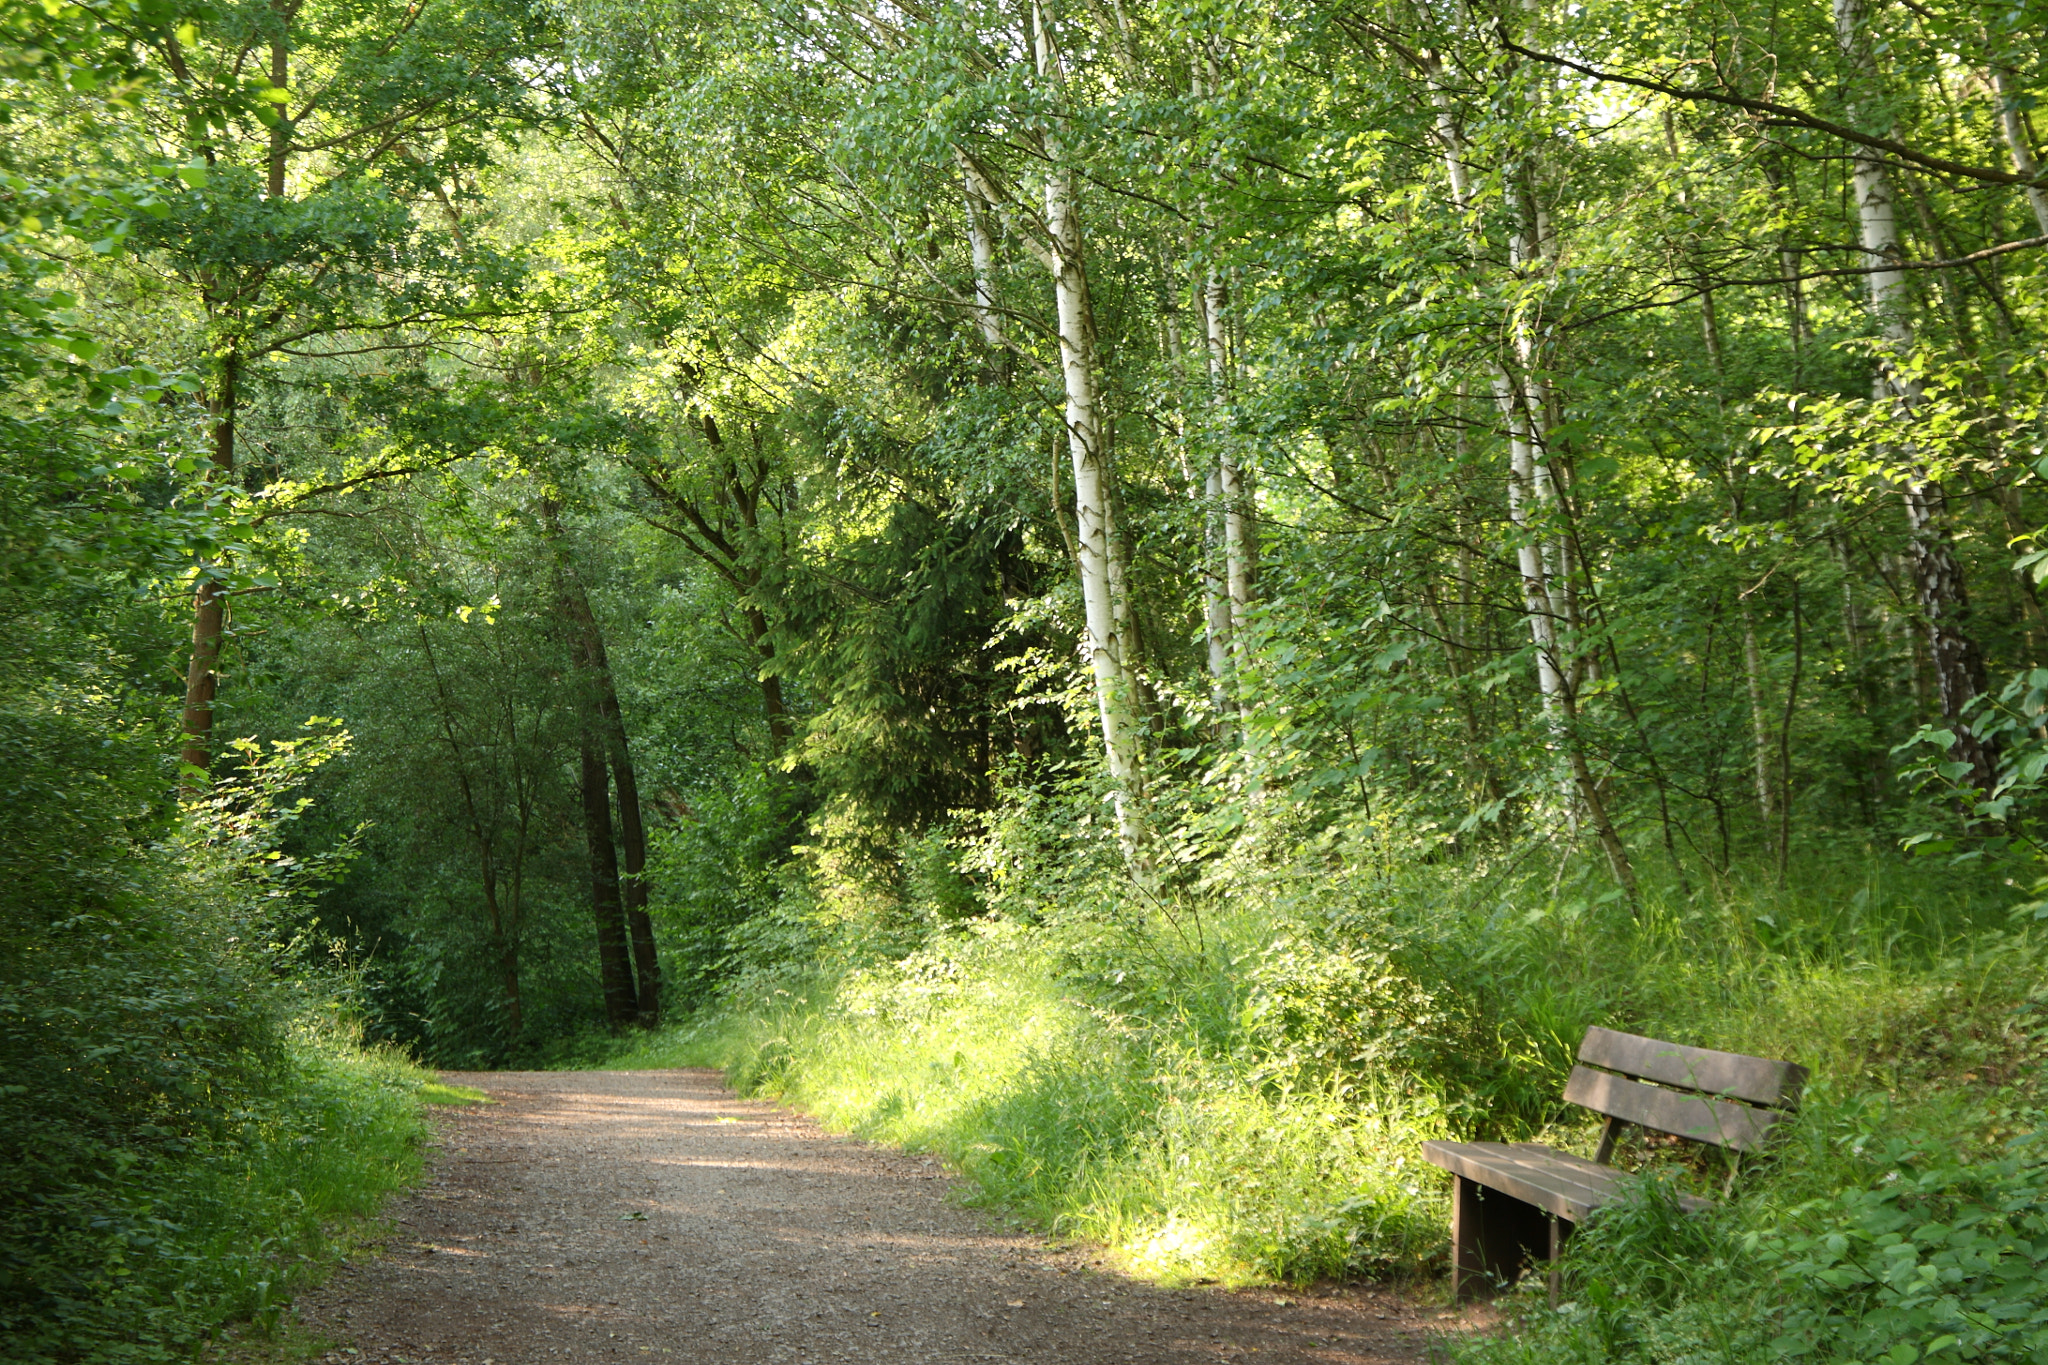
(1525, 492)
(1215, 574)
(1938, 577)
(1522, 495)
(984, 246)
(1096, 544)
(1544, 564)
(2014, 127)
(1237, 521)
(1759, 715)
(1228, 582)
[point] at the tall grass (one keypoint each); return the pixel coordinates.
(1240, 1091)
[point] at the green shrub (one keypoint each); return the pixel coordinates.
(182, 1126)
(1941, 1259)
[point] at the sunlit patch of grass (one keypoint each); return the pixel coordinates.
(439, 1092)
(1251, 1105)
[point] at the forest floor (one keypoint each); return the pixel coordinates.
(601, 1216)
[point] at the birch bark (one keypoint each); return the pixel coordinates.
(2012, 123)
(1515, 413)
(1097, 551)
(1543, 554)
(983, 244)
(1937, 575)
(1215, 566)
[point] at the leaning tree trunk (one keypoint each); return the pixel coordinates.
(2012, 123)
(1937, 574)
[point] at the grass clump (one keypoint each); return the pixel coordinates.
(150, 1253)
(436, 1092)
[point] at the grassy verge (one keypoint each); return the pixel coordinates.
(1242, 1095)
(166, 1252)
(1083, 1119)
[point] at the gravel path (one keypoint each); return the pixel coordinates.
(613, 1216)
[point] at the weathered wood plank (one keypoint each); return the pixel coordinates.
(1701, 1118)
(1756, 1079)
(1591, 1171)
(1570, 1189)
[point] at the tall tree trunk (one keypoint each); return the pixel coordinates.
(1218, 614)
(209, 615)
(1759, 717)
(1096, 546)
(598, 702)
(780, 732)
(983, 244)
(606, 908)
(1231, 492)
(2012, 123)
(1515, 412)
(209, 607)
(1937, 575)
(1543, 553)
(632, 829)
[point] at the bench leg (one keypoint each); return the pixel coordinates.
(1493, 1235)
(1556, 1250)
(1467, 1267)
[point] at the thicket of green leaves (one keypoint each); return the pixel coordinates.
(187, 1124)
(1268, 565)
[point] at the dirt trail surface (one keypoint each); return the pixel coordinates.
(618, 1216)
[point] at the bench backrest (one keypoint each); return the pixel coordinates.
(1723, 1098)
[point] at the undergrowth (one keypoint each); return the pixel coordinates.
(188, 1126)
(152, 1253)
(1235, 1087)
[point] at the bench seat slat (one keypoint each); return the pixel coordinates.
(1759, 1080)
(1557, 1182)
(1553, 1181)
(1701, 1118)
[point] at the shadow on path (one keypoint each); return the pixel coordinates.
(626, 1215)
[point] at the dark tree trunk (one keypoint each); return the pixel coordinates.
(604, 727)
(779, 731)
(209, 610)
(633, 842)
(632, 829)
(508, 953)
(202, 683)
(606, 906)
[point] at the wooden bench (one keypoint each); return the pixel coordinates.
(1517, 1201)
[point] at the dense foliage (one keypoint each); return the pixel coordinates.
(1266, 564)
